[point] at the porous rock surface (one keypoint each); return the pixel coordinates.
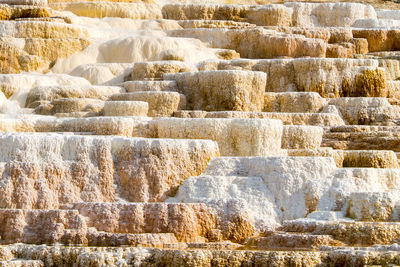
(199, 133)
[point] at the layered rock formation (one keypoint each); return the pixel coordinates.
(192, 133)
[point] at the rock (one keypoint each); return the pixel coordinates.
(160, 104)
(358, 137)
(370, 159)
(301, 137)
(263, 137)
(135, 86)
(82, 168)
(293, 102)
(185, 221)
(356, 233)
(125, 108)
(106, 9)
(274, 240)
(365, 110)
(41, 29)
(375, 206)
(317, 119)
(156, 69)
(257, 42)
(50, 93)
(69, 105)
(379, 39)
(222, 90)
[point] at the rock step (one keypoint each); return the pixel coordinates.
(352, 158)
(325, 76)
(42, 94)
(263, 136)
(222, 89)
(351, 233)
(105, 167)
(22, 263)
(314, 119)
(301, 137)
(160, 103)
(374, 206)
(109, 224)
(91, 256)
(135, 86)
(122, 239)
(296, 102)
(126, 108)
(274, 14)
(292, 241)
(154, 70)
(133, 10)
(26, 2)
(264, 43)
(362, 137)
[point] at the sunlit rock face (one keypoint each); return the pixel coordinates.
(199, 133)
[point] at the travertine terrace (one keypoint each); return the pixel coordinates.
(199, 133)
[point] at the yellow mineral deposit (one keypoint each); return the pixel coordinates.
(199, 133)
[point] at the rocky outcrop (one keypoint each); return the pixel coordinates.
(263, 137)
(61, 169)
(222, 90)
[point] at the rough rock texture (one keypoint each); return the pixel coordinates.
(156, 69)
(257, 42)
(161, 104)
(125, 108)
(257, 137)
(372, 206)
(222, 90)
(63, 169)
(317, 119)
(106, 9)
(301, 137)
(293, 102)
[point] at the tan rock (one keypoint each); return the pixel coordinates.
(235, 137)
(80, 168)
(365, 110)
(26, 2)
(352, 233)
(41, 29)
(107, 9)
(49, 93)
(370, 159)
(135, 86)
(69, 105)
(293, 102)
(203, 12)
(222, 90)
(301, 137)
(186, 221)
(317, 119)
(278, 240)
(116, 125)
(358, 137)
(257, 42)
(371, 206)
(160, 104)
(126, 108)
(379, 39)
(156, 69)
